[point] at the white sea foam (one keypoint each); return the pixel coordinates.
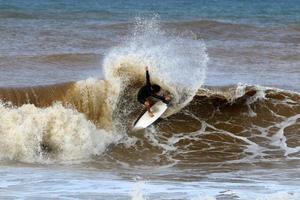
(55, 133)
(137, 193)
(279, 139)
(280, 196)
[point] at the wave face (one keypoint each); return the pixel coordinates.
(220, 125)
(237, 124)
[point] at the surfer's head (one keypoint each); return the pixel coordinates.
(155, 88)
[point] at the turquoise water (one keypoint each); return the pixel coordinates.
(255, 11)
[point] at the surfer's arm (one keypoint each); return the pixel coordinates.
(147, 77)
(162, 98)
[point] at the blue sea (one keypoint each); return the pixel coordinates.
(70, 71)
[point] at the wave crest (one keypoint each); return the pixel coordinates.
(176, 63)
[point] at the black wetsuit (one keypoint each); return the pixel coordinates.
(146, 91)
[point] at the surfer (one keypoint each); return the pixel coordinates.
(150, 90)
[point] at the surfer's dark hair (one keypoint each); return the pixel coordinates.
(155, 88)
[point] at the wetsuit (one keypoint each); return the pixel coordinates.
(146, 91)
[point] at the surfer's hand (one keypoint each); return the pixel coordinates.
(167, 98)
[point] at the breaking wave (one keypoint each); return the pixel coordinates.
(47, 121)
(222, 124)
(78, 121)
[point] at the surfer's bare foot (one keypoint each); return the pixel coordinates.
(151, 114)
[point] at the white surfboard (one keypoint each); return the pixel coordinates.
(146, 120)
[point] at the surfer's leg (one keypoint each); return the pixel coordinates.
(148, 106)
(151, 102)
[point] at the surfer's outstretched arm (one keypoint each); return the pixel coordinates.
(162, 98)
(147, 77)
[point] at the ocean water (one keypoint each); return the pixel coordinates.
(70, 72)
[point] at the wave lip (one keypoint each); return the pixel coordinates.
(168, 57)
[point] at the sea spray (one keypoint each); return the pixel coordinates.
(177, 63)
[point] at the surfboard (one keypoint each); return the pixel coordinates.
(146, 120)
